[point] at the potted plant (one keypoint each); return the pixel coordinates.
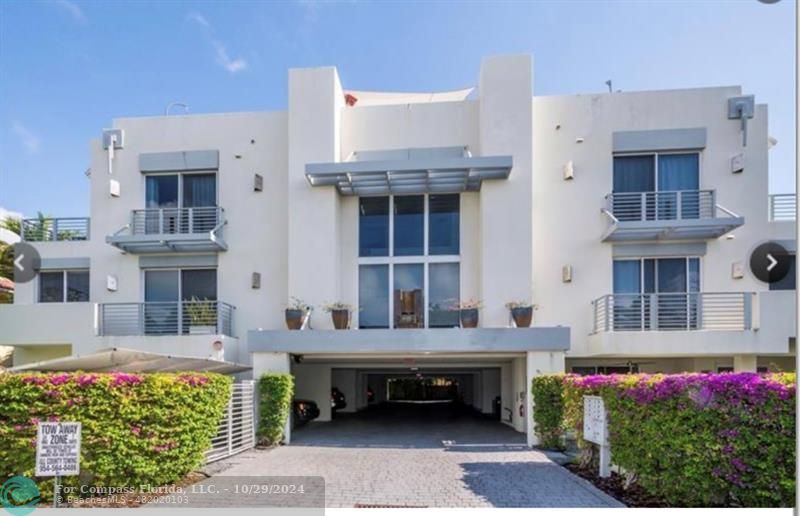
(468, 313)
(521, 312)
(202, 315)
(296, 313)
(340, 314)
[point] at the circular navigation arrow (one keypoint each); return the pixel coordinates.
(770, 262)
(26, 263)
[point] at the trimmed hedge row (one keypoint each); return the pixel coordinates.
(137, 429)
(695, 440)
(275, 399)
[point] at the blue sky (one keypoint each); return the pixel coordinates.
(67, 67)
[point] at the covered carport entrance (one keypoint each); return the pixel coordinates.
(485, 362)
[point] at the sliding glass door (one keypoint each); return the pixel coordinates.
(180, 203)
(656, 294)
(176, 300)
(656, 186)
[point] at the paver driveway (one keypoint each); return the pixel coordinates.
(423, 456)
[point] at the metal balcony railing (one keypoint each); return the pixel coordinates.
(684, 311)
(174, 221)
(166, 318)
(782, 207)
(54, 229)
(665, 205)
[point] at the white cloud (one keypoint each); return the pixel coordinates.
(223, 58)
(73, 9)
(29, 140)
(198, 19)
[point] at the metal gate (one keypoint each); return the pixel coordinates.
(237, 429)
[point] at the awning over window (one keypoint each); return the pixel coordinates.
(409, 171)
(132, 361)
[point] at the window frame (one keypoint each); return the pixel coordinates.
(641, 261)
(425, 259)
(64, 286)
(181, 175)
(656, 168)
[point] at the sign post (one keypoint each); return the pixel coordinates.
(58, 452)
(595, 430)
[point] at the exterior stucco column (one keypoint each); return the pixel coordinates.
(539, 363)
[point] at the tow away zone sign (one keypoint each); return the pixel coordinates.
(58, 449)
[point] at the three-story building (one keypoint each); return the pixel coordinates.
(627, 218)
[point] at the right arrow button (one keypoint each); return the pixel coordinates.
(770, 262)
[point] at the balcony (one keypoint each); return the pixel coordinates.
(48, 229)
(667, 215)
(172, 229)
(166, 318)
(782, 207)
(685, 311)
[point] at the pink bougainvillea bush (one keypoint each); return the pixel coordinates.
(697, 439)
(137, 429)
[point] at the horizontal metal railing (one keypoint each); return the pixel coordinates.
(170, 221)
(782, 207)
(665, 205)
(166, 318)
(674, 311)
(54, 229)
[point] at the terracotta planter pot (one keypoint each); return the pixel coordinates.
(522, 316)
(294, 318)
(469, 317)
(341, 319)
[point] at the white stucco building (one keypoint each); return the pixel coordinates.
(627, 218)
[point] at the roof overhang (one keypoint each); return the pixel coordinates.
(686, 229)
(417, 174)
(161, 243)
(434, 340)
(132, 361)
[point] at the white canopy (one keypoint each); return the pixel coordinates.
(132, 361)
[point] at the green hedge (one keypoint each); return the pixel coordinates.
(136, 428)
(548, 413)
(275, 400)
(695, 440)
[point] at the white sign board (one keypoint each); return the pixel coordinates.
(58, 449)
(594, 420)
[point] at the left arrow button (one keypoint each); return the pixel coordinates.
(26, 262)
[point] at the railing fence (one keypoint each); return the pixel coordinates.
(782, 207)
(237, 429)
(166, 318)
(54, 229)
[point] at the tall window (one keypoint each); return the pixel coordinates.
(167, 194)
(409, 254)
(658, 176)
(175, 299)
(64, 286)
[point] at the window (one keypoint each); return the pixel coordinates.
(666, 174)
(409, 261)
(167, 194)
(64, 286)
(789, 282)
(175, 299)
(656, 293)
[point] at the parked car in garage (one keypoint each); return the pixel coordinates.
(338, 401)
(304, 411)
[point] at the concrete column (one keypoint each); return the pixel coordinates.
(507, 393)
(745, 363)
(519, 397)
(506, 228)
(273, 363)
(539, 363)
(315, 103)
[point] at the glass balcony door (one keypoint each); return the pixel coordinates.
(657, 186)
(180, 203)
(176, 300)
(657, 294)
